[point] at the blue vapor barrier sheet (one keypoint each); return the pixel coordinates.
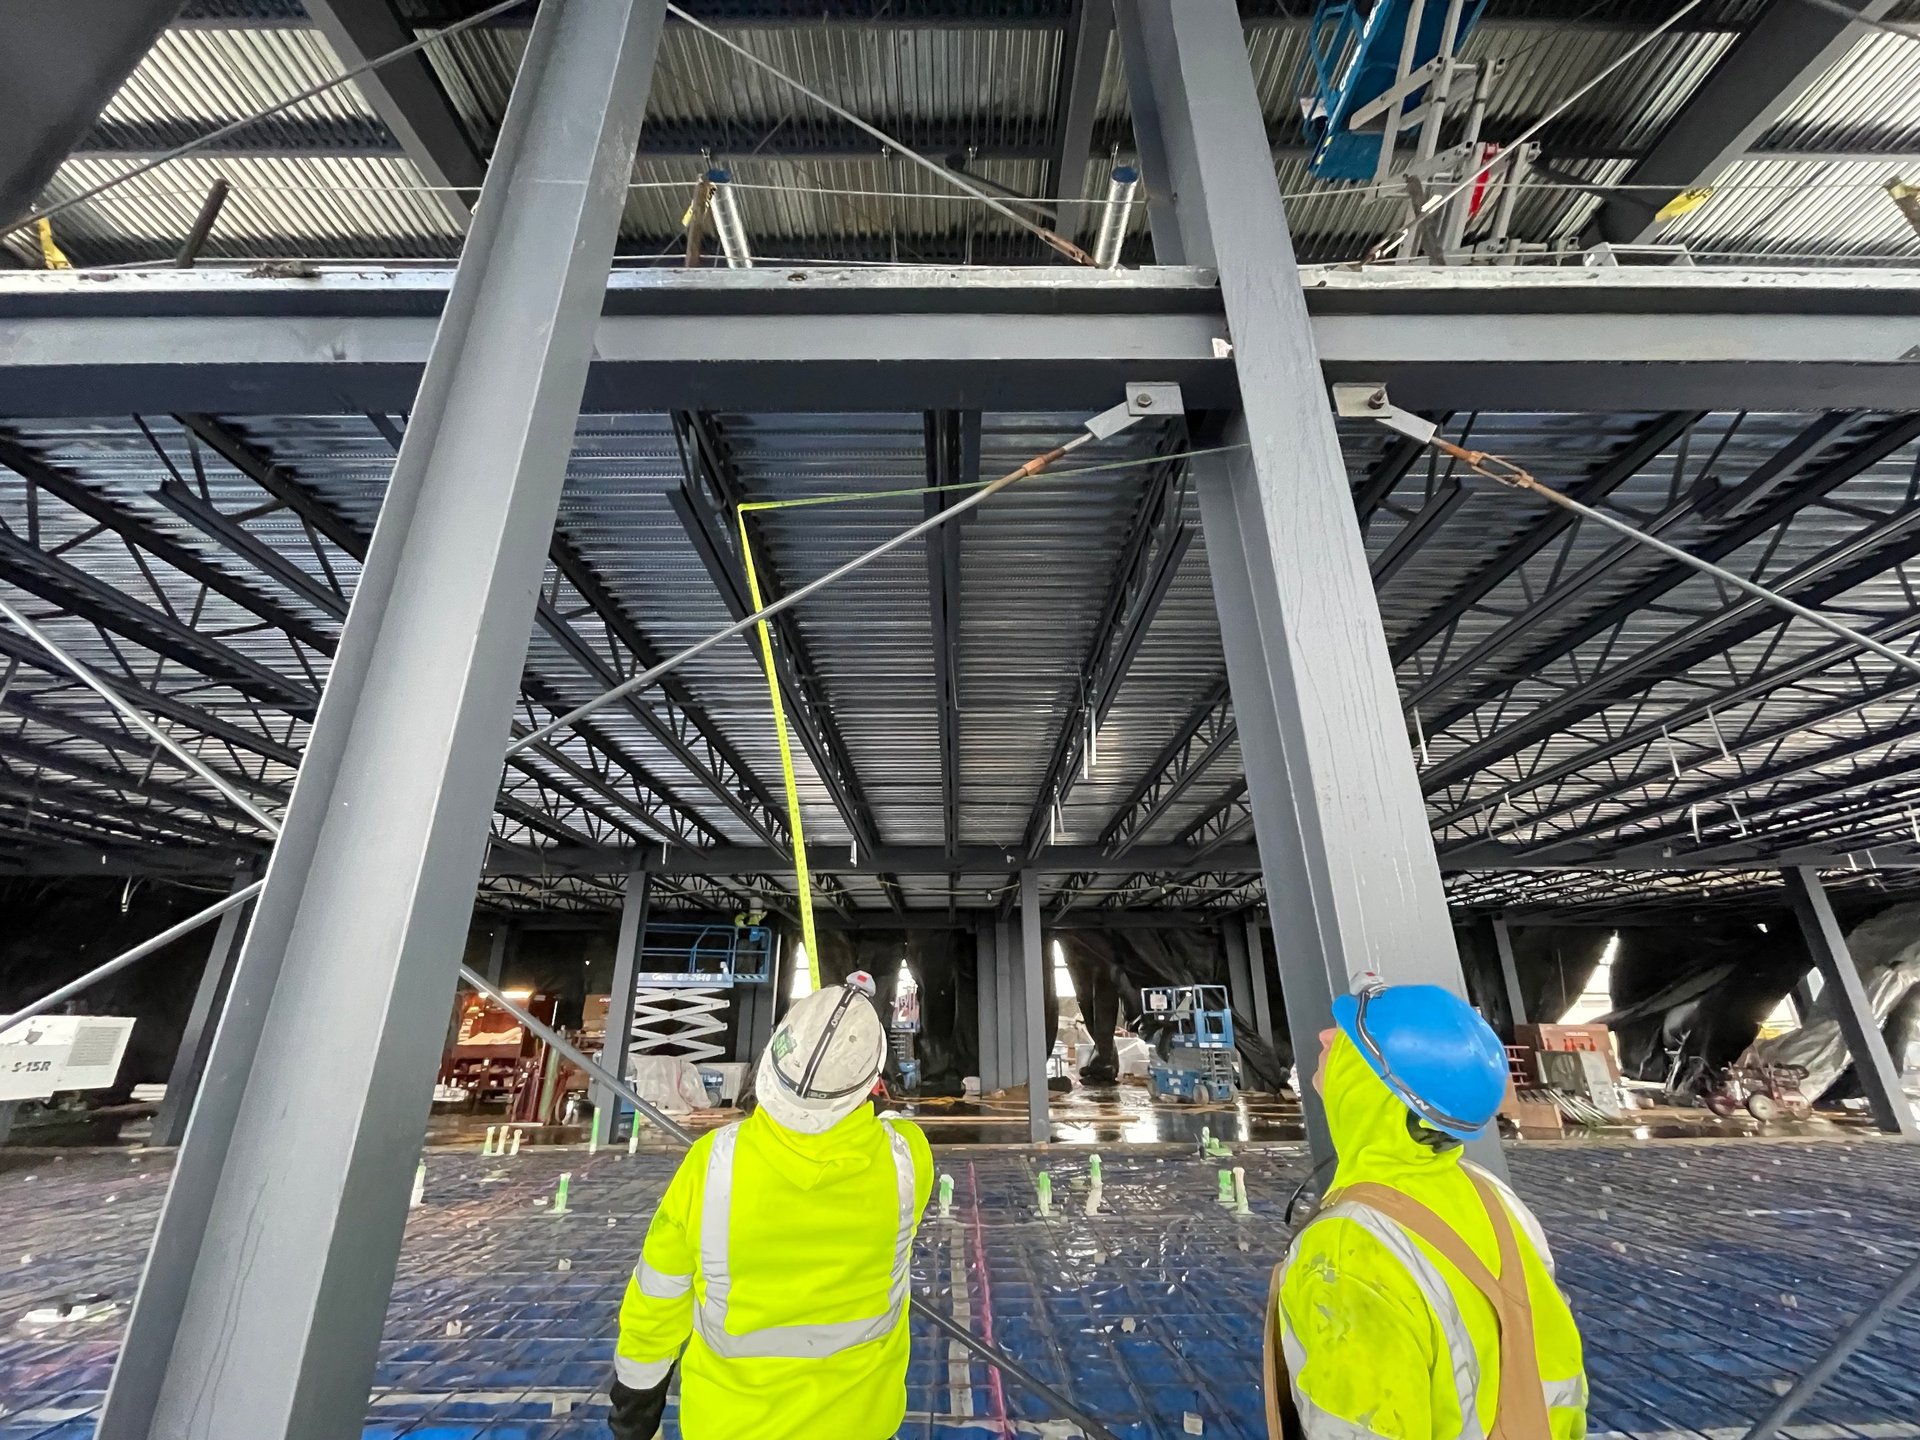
(1706, 1276)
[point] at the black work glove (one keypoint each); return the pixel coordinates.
(636, 1413)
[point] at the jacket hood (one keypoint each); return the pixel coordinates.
(807, 1161)
(1368, 1123)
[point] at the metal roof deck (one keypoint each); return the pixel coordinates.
(985, 81)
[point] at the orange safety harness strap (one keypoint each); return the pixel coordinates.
(1520, 1412)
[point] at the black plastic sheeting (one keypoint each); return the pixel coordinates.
(945, 966)
(1714, 1026)
(1687, 997)
(1109, 968)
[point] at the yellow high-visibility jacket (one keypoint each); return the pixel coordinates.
(779, 1261)
(1385, 1340)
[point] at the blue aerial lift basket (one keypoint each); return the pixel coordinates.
(1352, 58)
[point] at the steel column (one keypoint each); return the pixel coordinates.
(1262, 979)
(264, 1294)
(1342, 830)
(1805, 991)
(497, 951)
(196, 1040)
(1239, 973)
(1033, 965)
(766, 999)
(1879, 1074)
(1509, 970)
(1010, 997)
(635, 901)
(986, 983)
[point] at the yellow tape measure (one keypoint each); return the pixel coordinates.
(794, 829)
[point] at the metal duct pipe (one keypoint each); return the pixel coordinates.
(1123, 187)
(725, 209)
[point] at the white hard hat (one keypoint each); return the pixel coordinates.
(822, 1061)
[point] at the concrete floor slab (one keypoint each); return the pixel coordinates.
(1706, 1275)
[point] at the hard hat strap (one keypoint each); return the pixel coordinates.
(803, 1088)
(1427, 1111)
(820, 1045)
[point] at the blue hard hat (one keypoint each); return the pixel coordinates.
(1433, 1050)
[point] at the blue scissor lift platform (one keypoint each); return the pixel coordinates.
(1352, 59)
(1194, 1057)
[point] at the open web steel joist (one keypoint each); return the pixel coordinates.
(1575, 701)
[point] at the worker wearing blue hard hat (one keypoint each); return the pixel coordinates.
(1420, 1303)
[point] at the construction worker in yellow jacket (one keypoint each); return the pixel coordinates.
(775, 1272)
(1420, 1303)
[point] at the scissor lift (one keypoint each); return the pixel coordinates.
(1368, 76)
(1194, 1058)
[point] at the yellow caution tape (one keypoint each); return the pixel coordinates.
(51, 255)
(795, 831)
(1685, 203)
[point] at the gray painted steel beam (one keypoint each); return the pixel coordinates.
(1035, 974)
(261, 1306)
(1783, 50)
(1879, 1074)
(1510, 339)
(89, 856)
(203, 1017)
(827, 859)
(636, 894)
(1349, 865)
(59, 67)
(406, 95)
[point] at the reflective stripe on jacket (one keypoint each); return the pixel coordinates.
(780, 1262)
(1384, 1339)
